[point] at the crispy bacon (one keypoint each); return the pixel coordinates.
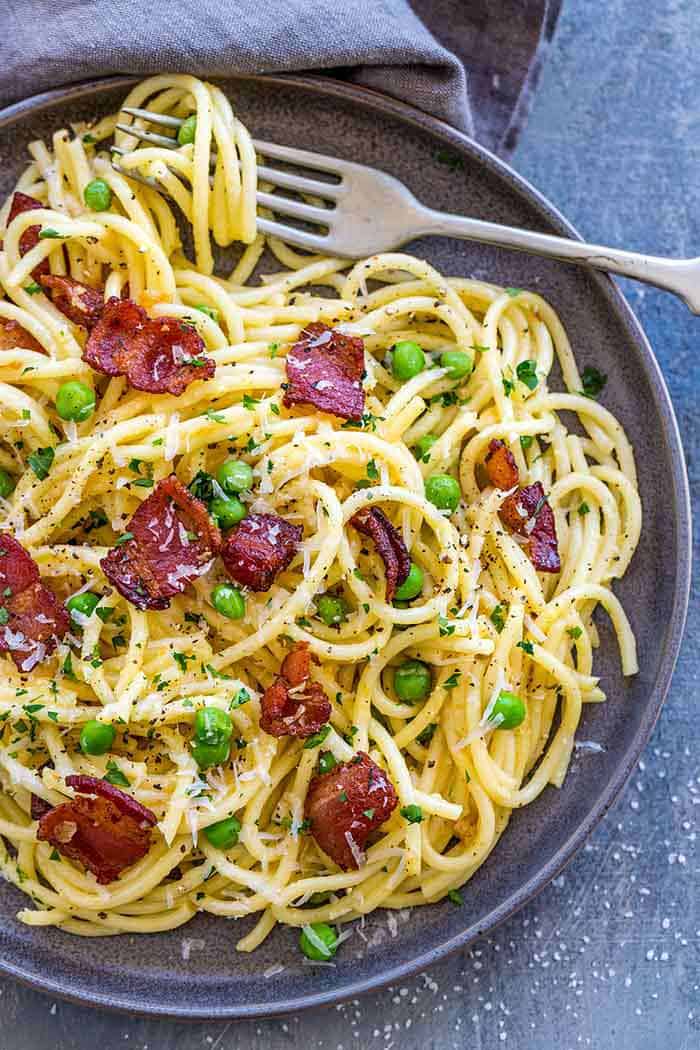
(294, 705)
(528, 514)
(371, 521)
(22, 202)
(119, 322)
(79, 302)
(106, 832)
(346, 805)
(260, 547)
(34, 617)
(160, 355)
(501, 467)
(325, 369)
(173, 541)
(12, 335)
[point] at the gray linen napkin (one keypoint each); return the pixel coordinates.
(384, 44)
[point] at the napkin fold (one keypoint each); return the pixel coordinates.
(426, 52)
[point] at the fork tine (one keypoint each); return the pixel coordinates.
(147, 180)
(301, 157)
(315, 187)
(153, 118)
(287, 206)
(149, 136)
(301, 238)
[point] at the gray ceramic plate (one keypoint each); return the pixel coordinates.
(195, 971)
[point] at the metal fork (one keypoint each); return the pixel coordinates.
(368, 211)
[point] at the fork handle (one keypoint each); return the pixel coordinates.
(681, 276)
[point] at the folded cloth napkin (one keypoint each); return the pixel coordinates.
(383, 44)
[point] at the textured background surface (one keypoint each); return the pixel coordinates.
(609, 955)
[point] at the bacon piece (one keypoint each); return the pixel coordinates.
(528, 514)
(159, 355)
(12, 335)
(119, 322)
(500, 466)
(173, 541)
(258, 548)
(22, 202)
(371, 521)
(106, 833)
(79, 302)
(165, 356)
(325, 369)
(34, 617)
(36, 622)
(346, 805)
(285, 711)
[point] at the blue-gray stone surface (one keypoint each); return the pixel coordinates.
(608, 956)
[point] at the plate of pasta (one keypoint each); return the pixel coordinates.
(338, 597)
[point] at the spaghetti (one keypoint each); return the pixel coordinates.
(483, 623)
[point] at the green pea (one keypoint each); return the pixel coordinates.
(97, 195)
(228, 601)
(224, 834)
(228, 511)
(210, 311)
(443, 491)
(326, 762)
(407, 360)
(412, 681)
(318, 941)
(75, 400)
(458, 363)
(423, 447)
(7, 484)
(511, 708)
(235, 476)
(186, 130)
(206, 755)
(412, 585)
(83, 604)
(96, 737)
(212, 725)
(332, 610)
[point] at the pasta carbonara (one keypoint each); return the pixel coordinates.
(412, 656)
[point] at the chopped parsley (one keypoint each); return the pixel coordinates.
(497, 618)
(202, 486)
(317, 739)
(48, 233)
(4, 615)
(526, 441)
(372, 472)
(508, 385)
(115, 776)
(250, 402)
(33, 288)
(452, 681)
(446, 628)
(513, 292)
(583, 509)
(124, 538)
(215, 417)
(593, 382)
(455, 896)
(526, 372)
(527, 647)
(450, 160)
(574, 632)
(241, 697)
(413, 814)
(429, 732)
(40, 462)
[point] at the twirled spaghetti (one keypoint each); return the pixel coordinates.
(485, 621)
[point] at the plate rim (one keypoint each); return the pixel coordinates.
(403, 112)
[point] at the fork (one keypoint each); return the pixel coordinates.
(368, 211)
